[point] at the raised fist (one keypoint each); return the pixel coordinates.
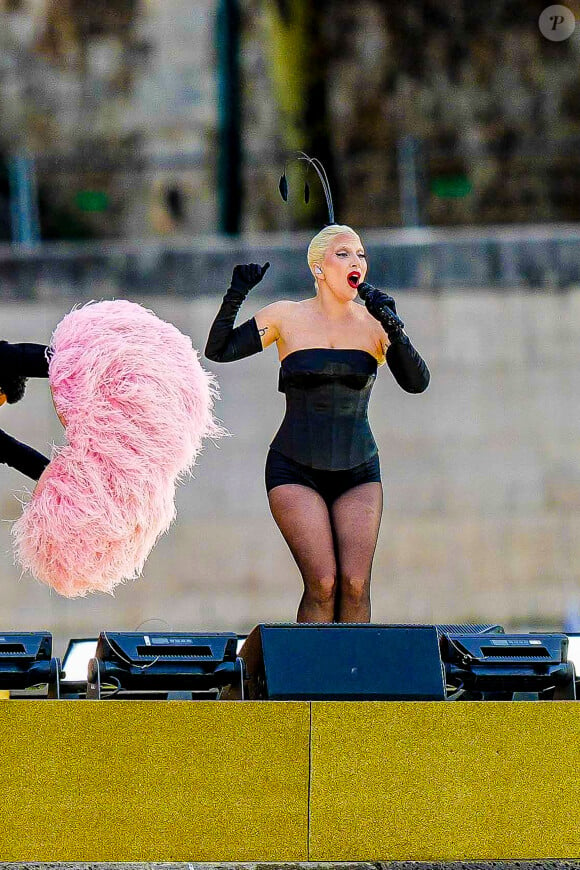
(246, 276)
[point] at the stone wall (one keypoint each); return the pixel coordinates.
(118, 99)
(481, 477)
(122, 99)
(490, 103)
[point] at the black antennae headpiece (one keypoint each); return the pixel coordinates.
(320, 171)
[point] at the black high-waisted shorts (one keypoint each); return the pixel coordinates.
(330, 484)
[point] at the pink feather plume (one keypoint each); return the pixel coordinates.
(136, 404)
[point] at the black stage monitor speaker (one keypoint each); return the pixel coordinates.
(509, 663)
(190, 661)
(26, 660)
(344, 662)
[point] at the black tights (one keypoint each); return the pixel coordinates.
(333, 547)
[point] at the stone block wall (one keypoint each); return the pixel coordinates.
(481, 477)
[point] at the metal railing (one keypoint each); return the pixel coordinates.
(532, 257)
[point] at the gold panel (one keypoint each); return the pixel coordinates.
(122, 781)
(427, 781)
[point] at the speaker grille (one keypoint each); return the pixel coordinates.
(514, 652)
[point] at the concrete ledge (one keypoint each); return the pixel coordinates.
(310, 865)
(409, 782)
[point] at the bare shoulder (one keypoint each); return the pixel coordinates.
(276, 312)
(271, 319)
(280, 305)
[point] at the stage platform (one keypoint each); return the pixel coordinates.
(259, 781)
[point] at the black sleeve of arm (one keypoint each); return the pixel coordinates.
(224, 343)
(409, 369)
(21, 457)
(23, 360)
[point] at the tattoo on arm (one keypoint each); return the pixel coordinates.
(263, 330)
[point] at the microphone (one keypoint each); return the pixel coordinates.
(363, 289)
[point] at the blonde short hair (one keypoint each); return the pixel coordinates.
(321, 241)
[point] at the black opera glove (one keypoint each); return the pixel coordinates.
(406, 364)
(382, 307)
(19, 362)
(224, 343)
(247, 276)
(21, 457)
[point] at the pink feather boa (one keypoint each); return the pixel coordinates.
(136, 404)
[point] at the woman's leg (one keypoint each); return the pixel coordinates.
(302, 516)
(356, 517)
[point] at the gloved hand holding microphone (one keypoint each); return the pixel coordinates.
(382, 307)
(408, 368)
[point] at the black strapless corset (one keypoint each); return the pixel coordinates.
(327, 395)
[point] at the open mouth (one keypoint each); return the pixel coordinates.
(353, 278)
